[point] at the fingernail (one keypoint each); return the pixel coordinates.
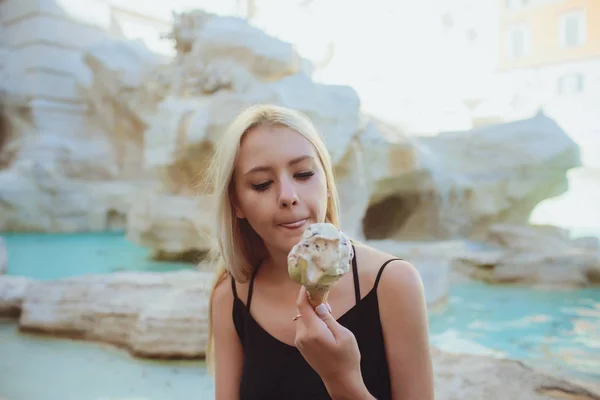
(329, 307)
(321, 310)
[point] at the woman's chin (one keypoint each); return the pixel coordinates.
(286, 244)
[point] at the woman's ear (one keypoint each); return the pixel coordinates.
(238, 212)
(235, 205)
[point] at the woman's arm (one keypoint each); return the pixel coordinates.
(228, 354)
(403, 311)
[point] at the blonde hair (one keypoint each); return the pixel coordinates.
(239, 249)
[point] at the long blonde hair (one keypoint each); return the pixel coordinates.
(239, 249)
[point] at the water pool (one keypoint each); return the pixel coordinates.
(56, 256)
(554, 329)
(35, 367)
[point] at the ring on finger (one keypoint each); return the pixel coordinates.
(296, 317)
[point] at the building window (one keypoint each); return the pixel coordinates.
(571, 29)
(518, 41)
(570, 84)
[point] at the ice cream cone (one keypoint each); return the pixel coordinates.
(321, 257)
(317, 296)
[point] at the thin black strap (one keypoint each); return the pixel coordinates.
(251, 287)
(355, 274)
(233, 287)
(381, 271)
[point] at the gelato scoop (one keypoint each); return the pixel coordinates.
(321, 257)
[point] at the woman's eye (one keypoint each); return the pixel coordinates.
(304, 175)
(261, 186)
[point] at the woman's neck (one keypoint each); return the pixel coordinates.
(275, 267)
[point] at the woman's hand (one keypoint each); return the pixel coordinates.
(330, 349)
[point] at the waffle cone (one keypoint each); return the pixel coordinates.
(317, 296)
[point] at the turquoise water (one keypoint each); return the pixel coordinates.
(558, 330)
(36, 367)
(43, 368)
(45, 257)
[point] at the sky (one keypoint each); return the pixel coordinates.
(395, 53)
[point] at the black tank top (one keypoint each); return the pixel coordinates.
(275, 370)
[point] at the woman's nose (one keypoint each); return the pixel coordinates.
(287, 194)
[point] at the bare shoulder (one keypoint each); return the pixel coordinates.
(221, 303)
(400, 291)
(403, 315)
(223, 294)
(397, 273)
(228, 353)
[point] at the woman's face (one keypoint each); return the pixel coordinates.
(280, 185)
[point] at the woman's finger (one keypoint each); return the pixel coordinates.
(316, 321)
(335, 327)
(305, 310)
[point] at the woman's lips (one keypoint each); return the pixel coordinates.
(294, 225)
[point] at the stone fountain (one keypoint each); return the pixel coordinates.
(136, 160)
(152, 122)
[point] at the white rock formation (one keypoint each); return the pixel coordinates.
(179, 223)
(153, 122)
(152, 315)
(436, 187)
(12, 293)
(13, 106)
(59, 170)
(543, 255)
(460, 377)
(503, 171)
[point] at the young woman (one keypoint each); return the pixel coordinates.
(272, 177)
